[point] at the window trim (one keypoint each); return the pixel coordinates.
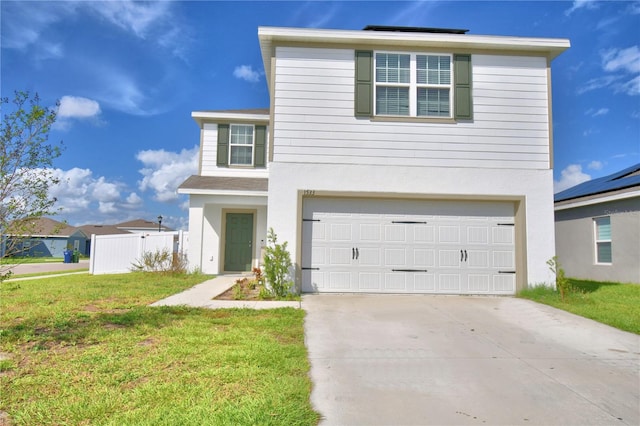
(413, 85)
(597, 241)
(253, 144)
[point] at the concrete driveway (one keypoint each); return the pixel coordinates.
(449, 360)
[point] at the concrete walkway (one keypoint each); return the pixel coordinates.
(201, 295)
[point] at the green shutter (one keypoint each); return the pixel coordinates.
(364, 83)
(462, 92)
(260, 145)
(223, 145)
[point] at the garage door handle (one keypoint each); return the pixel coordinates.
(461, 255)
(465, 256)
(353, 253)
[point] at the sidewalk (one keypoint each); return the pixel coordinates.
(201, 295)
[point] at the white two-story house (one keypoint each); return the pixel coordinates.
(392, 159)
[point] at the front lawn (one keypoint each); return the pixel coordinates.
(85, 349)
(615, 304)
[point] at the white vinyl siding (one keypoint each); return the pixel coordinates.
(602, 228)
(313, 111)
(208, 157)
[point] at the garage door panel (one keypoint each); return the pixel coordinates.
(396, 257)
(424, 234)
(479, 283)
(424, 258)
(449, 234)
(408, 246)
(370, 232)
(340, 281)
(369, 281)
(449, 258)
(505, 283)
(449, 283)
(477, 258)
(503, 259)
(395, 282)
(424, 283)
(370, 256)
(340, 256)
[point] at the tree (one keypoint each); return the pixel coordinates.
(26, 174)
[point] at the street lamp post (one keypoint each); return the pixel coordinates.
(160, 223)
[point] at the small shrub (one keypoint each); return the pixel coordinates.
(562, 282)
(238, 292)
(264, 294)
(277, 262)
(162, 261)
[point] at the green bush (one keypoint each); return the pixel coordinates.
(163, 261)
(562, 282)
(277, 262)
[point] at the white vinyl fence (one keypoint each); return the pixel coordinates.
(115, 254)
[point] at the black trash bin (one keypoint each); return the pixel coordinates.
(67, 256)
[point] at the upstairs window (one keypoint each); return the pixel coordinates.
(413, 85)
(419, 85)
(241, 145)
(602, 228)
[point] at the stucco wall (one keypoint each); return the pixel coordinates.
(205, 228)
(575, 241)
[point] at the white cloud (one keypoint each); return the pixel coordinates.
(594, 113)
(631, 87)
(81, 195)
(581, 4)
(595, 165)
(135, 17)
(78, 107)
(622, 59)
(246, 72)
(164, 171)
(572, 175)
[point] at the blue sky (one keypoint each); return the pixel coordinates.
(129, 74)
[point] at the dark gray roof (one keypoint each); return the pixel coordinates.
(626, 178)
(414, 29)
(141, 224)
(226, 183)
(102, 230)
(41, 227)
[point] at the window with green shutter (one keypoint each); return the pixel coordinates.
(413, 85)
(241, 145)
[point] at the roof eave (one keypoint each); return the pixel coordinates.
(214, 116)
(271, 36)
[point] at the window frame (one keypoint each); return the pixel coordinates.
(232, 145)
(413, 84)
(597, 241)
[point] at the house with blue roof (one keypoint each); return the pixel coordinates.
(597, 227)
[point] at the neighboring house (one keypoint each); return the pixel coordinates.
(141, 225)
(397, 160)
(99, 230)
(598, 228)
(46, 238)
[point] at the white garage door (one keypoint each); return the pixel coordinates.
(406, 246)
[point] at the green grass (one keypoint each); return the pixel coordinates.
(48, 273)
(23, 260)
(615, 304)
(85, 349)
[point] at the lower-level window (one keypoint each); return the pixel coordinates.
(602, 227)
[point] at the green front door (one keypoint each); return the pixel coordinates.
(238, 245)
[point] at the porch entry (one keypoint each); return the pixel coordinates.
(238, 245)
